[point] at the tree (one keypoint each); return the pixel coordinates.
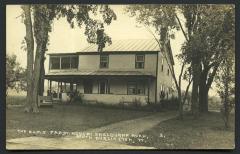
(43, 17)
(226, 85)
(164, 18)
(15, 74)
(210, 40)
(30, 56)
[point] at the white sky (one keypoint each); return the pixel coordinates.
(65, 39)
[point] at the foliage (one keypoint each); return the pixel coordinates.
(43, 17)
(212, 36)
(136, 103)
(78, 98)
(15, 74)
(164, 19)
(157, 16)
(226, 86)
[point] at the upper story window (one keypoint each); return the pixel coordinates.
(54, 62)
(64, 62)
(74, 62)
(139, 61)
(104, 61)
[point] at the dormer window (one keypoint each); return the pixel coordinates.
(139, 61)
(104, 61)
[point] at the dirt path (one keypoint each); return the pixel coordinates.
(134, 126)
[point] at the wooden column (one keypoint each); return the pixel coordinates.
(149, 81)
(50, 85)
(71, 86)
(61, 86)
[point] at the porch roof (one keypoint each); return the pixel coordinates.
(97, 73)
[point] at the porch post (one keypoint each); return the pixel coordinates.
(50, 85)
(71, 86)
(148, 88)
(58, 90)
(61, 86)
(108, 86)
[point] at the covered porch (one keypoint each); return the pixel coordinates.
(105, 86)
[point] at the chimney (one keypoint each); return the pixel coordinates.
(100, 39)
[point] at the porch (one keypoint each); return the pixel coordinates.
(107, 88)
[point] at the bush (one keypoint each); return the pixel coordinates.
(136, 103)
(171, 104)
(78, 98)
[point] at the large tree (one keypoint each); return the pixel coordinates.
(214, 34)
(43, 17)
(164, 19)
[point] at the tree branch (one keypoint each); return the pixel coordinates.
(180, 24)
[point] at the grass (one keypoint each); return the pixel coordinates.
(205, 133)
(63, 118)
(15, 100)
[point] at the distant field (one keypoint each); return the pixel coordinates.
(15, 100)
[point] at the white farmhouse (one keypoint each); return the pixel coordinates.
(126, 70)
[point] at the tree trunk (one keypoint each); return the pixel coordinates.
(203, 98)
(42, 74)
(37, 75)
(30, 56)
(180, 104)
(41, 35)
(195, 88)
(203, 93)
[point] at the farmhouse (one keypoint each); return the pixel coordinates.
(126, 70)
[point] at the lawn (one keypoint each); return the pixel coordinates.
(205, 133)
(62, 118)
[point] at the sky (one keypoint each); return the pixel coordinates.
(65, 39)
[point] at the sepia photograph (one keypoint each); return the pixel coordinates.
(126, 76)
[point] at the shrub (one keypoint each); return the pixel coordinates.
(171, 104)
(78, 98)
(136, 103)
(121, 102)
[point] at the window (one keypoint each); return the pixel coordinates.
(139, 61)
(54, 62)
(140, 89)
(136, 88)
(74, 62)
(103, 61)
(65, 63)
(132, 86)
(70, 62)
(104, 87)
